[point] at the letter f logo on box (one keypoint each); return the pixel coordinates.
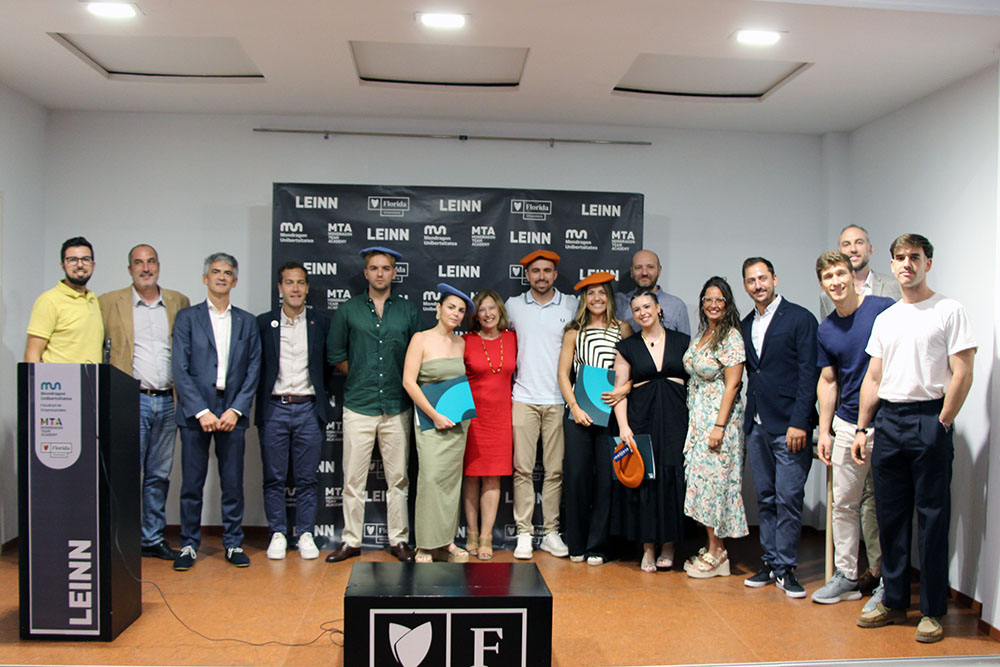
(479, 647)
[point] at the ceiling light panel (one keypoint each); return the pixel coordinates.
(112, 10)
(439, 64)
(448, 21)
(758, 37)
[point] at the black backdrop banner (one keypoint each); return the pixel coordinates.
(471, 238)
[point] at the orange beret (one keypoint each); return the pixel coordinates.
(596, 278)
(539, 254)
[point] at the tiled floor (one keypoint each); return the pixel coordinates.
(608, 615)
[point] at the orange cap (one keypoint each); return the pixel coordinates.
(596, 278)
(539, 254)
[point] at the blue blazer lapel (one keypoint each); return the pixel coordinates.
(774, 326)
(275, 334)
(205, 321)
(235, 331)
(751, 352)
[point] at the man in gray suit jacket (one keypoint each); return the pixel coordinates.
(855, 244)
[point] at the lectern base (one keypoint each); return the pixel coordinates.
(496, 614)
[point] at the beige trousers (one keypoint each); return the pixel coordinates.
(851, 484)
(393, 434)
(530, 421)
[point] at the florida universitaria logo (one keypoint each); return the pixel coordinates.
(448, 637)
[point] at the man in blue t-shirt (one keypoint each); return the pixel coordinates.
(841, 356)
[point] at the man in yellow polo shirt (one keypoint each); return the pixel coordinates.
(66, 325)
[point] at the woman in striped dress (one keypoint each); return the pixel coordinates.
(589, 340)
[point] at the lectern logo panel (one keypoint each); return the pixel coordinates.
(448, 637)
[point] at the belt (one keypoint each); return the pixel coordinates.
(289, 398)
(156, 392)
(220, 392)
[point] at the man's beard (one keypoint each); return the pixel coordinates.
(79, 282)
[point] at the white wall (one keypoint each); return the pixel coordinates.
(931, 168)
(22, 152)
(192, 184)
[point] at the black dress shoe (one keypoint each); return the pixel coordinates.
(161, 550)
(402, 552)
(343, 552)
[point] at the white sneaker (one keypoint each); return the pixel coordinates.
(307, 547)
(276, 549)
(554, 545)
(523, 549)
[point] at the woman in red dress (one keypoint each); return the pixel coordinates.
(490, 356)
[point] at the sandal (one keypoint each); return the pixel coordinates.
(648, 564)
(471, 542)
(423, 556)
(665, 562)
(485, 547)
(450, 554)
(690, 561)
(708, 566)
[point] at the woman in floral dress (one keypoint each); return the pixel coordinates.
(713, 451)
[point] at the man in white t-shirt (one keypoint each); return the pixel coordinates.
(922, 350)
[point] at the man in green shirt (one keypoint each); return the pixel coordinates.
(367, 343)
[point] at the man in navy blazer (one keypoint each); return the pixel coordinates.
(216, 365)
(292, 408)
(780, 340)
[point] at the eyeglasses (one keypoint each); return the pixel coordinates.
(73, 261)
(711, 300)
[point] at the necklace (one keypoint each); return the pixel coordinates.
(655, 340)
(487, 354)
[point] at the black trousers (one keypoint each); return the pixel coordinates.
(587, 479)
(911, 467)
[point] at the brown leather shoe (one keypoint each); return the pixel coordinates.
(868, 582)
(343, 552)
(402, 552)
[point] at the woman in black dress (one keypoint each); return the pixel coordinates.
(653, 513)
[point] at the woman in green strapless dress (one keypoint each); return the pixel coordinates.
(436, 355)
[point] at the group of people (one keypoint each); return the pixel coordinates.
(889, 368)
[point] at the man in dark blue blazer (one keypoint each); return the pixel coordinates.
(292, 408)
(780, 340)
(216, 364)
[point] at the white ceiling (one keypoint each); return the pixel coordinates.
(865, 62)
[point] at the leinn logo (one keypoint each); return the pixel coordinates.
(315, 202)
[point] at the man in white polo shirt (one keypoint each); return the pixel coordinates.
(539, 317)
(922, 350)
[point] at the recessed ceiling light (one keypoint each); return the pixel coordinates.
(442, 20)
(112, 10)
(758, 37)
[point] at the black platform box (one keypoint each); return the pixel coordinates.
(449, 614)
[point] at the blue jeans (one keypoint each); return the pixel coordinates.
(157, 434)
(779, 477)
(291, 429)
(195, 444)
